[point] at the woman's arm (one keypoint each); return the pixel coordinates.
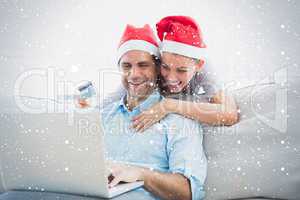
(221, 110)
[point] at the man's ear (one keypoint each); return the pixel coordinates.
(199, 65)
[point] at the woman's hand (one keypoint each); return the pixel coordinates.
(154, 114)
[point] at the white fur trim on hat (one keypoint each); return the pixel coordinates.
(137, 45)
(182, 49)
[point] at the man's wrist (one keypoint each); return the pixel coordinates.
(144, 174)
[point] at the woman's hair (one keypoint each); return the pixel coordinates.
(156, 61)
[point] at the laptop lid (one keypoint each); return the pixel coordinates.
(46, 152)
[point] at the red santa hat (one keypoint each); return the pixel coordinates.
(181, 35)
(138, 39)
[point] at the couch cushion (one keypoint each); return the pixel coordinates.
(260, 156)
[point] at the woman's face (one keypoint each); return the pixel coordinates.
(177, 71)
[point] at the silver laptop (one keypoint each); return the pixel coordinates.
(56, 152)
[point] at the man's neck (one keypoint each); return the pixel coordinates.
(134, 101)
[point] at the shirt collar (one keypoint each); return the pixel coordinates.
(153, 98)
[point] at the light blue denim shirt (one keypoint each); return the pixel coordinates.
(173, 145)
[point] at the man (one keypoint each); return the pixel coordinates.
(168, 157)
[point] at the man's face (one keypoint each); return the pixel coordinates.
(138, 73)
(177, 71)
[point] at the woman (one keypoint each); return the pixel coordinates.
(184, 81)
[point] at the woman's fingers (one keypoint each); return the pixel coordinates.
(138, 122)
(137, 117)
(141, 124)
(147, 125)
(145, 120)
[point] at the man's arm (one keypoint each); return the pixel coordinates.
(187, 164)
(164, 185)
(167, 185)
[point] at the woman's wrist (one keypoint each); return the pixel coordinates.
(169, 105)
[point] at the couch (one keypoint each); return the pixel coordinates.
(258, 158)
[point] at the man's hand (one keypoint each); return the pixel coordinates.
(164, 185)
(124, 173)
